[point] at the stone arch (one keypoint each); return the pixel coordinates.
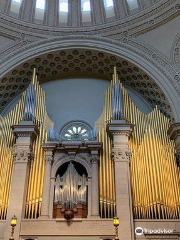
(175, 53)
(60, 161)
(131, 50)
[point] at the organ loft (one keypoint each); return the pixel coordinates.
(89, 120)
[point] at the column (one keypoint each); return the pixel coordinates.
(95, 185)
(25, 132)
(174, 133)
(120, 130)
(89, 197)
(47, 181)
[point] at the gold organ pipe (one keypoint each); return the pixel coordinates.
(7, 141)
(34, 196)
(155, 178)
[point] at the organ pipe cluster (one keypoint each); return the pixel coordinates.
(155, 177)
(7, 141)
(41, 119)
(70, 189)
(117, 103)
(112, 108)
(31, 106)
(30, 103)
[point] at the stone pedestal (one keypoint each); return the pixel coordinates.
(174, 133)
(49, 148)
(25, 132)
(120, 130)
(95, 185)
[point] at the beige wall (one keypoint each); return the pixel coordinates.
(162, 38)
(2, 229)
(158, 224)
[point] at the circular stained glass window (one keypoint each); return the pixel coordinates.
(75, 131)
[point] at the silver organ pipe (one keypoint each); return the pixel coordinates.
(71, 188)
(117, 103)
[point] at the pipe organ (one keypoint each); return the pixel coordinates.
(155, 177)
(7, 141)
(30, 107)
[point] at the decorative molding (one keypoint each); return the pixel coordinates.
(23, 155)
(175, 55)
(139, 23)
(121, 132)
(146, 56)
(48, 158)
(121, 155)
(94, 159)
(25, 129)
(61, 158)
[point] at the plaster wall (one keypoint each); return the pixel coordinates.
(80, 99)
(2, 229)
(84, 229)
(162, 38)
(4, 42)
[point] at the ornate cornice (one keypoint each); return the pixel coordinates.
(120, 127)
(25, 129)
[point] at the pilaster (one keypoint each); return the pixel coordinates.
(49, 151)
(174, 133)
(95, 184)
(25, 134)
(120, 131)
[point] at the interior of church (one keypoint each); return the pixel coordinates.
(89, 119)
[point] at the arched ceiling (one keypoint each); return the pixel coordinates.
(81, 63)
(99, 14)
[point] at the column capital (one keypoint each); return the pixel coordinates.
(48, 157)
(120, 127)
(94, 159)
(121, 155)
(21, 155)
(49, 148)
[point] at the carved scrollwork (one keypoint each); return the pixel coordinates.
(121, 155)
(23, 155)
(94, 159)
(49, 157)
